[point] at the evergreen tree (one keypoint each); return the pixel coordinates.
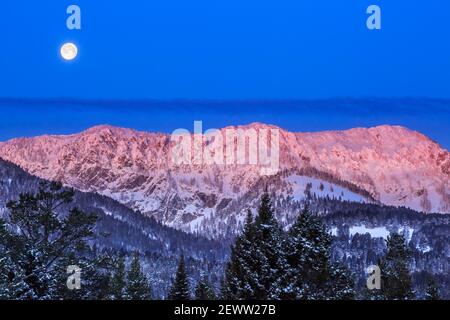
(269, 260)
(4, 292)
(240, 277)
(204, 290)
(396, 283)
(4, 265)
(42, 239)
(312, 275)
(341, 285)
(137, 287)
(95, 278)
(257, 266)
(118, 279)
(432, 291)
(11, 284)
(180, 287)
(225, 293)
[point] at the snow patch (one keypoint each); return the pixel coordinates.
(334, 231)
(407, 232)
(377, 232)
(321, 189)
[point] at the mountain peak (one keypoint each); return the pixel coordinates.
(102, 128)
(261, 125)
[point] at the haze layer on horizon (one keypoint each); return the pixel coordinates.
(25, 118)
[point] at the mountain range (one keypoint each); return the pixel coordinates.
(388, 165)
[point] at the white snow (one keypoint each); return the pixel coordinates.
(377, 232)
(109, 213)
(424, 248)
(407, 232)
(334, 231)
(321, 189)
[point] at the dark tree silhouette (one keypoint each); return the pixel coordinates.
(180, 287)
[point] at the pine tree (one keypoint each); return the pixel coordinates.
(95, 272)
(312, 274)
(41, 240)
(256, 270)
(396, 282)
(118, 279)
(432, 291)
(240, 278)
(137, 287)
(10, 279)
(4, 292)
(269, 259)
(266, 263)
(180, 287)
(204, 290)
(4, 265)
(341, 285)
(11, 284)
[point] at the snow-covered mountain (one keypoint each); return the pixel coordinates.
(386, 164)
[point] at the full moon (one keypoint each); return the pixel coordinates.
(69, 51)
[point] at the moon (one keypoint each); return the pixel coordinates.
(69, 51)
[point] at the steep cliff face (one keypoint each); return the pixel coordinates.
(387, 164)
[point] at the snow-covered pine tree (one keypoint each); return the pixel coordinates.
(396, 282)
(118, 279)
(11, 284)
(269, 262)
(41, 238)
(180, 287)
(4, 292)
(257, 266)
(240, 276)
(341, 285)
(312, 275)
(95, 276)
(204, 290)
(4, 265)
(137, 287)
(225, 293)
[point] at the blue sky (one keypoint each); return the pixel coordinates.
(233, 49)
